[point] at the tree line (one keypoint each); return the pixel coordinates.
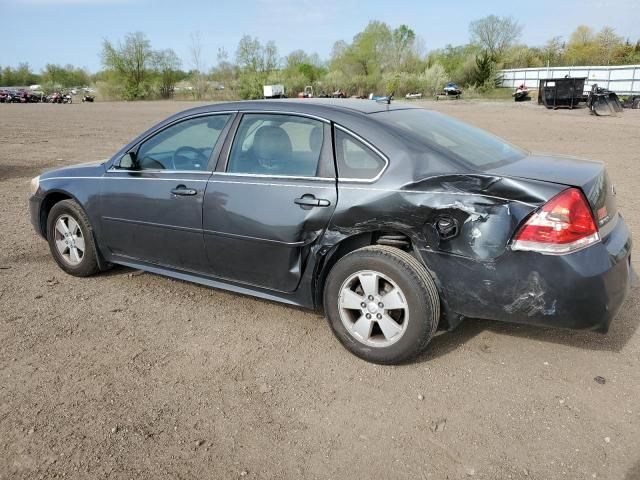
(378, 59)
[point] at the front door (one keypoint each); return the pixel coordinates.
(152, 211)
(272, 201)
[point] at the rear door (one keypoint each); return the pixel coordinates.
(271, 199)
(153, 211)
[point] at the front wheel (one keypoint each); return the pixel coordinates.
(71, 239)
(382, 304)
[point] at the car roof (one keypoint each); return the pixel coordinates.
(318, 106)
(353, 104)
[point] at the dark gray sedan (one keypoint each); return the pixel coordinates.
(394, 220)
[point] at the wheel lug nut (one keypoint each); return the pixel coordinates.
(363, 304)
(368, 316)
(370, 297)
(381, 305)
(379, 316)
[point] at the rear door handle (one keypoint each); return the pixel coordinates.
(183, 191)
(308, 201)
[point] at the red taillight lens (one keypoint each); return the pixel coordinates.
(563, 225)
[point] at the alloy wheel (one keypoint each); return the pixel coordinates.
(69, 240)
(373, 308)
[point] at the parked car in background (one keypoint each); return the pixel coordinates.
(393, 220)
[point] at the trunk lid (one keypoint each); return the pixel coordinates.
(590, 176)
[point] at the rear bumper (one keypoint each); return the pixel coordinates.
(582, 290)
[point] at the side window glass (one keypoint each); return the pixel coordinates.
(355, 160)
(184, 146)
(269, 144)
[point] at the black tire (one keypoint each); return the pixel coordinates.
(419, 291)
(88, 264)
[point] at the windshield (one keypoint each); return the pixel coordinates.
(457, 139)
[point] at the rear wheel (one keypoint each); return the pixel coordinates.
(71, 239)
(382, 304)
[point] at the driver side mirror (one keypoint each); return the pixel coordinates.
(128, 161)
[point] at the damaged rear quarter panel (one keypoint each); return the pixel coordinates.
(487, 211)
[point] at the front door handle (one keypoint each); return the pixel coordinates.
(182, 190)
(308, 201)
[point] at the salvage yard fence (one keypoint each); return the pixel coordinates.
(622, 79)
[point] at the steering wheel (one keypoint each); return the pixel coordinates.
(193, 163)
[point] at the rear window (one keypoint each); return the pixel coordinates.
(459, 140)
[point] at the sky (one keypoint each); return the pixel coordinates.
(72, 31)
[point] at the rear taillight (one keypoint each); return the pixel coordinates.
(563, 225)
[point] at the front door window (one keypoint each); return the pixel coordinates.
(184, 146)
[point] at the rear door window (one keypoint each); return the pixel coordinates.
(271, 144)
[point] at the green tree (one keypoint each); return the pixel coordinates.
(459, 62)
(553, 51)
(582, 48)
(433, 78)
(402, 51)
(56, 76)
(485, 71)
(131, 60)
(368, 54)
(522, 56)
(255, 62)
(167, 67)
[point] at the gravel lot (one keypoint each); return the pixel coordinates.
(132, 375)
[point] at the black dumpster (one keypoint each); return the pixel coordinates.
(561, 92)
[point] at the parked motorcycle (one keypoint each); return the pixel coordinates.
(14, 97)
(30, 97)
(55, 97)
(88, 98)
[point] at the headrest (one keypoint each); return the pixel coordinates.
(272, 142)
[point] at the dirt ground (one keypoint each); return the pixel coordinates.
(127, 375)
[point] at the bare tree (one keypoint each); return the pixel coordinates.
(270, 56)
(224, 71)
(607, 42)
(553, 50)
(223, 55)
(495, 34)
(198, 66)
(249, 54)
